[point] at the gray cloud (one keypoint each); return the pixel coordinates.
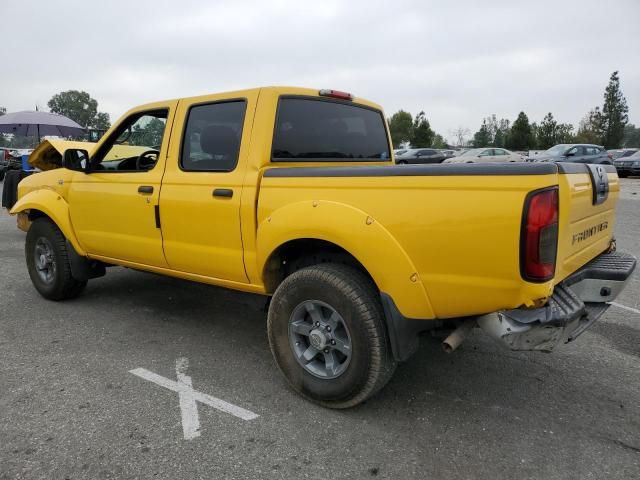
(457, 60)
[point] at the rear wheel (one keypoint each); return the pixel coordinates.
(623, 175)
(327, 335)
(402, 162)
(48, 262)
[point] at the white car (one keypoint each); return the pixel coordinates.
(486, 155)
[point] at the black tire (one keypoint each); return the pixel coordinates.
(623, 175)
(402, 162)
(10, 188)
(61, 285)
(353, 296)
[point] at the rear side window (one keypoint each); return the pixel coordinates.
(323, 130)
(212, 137)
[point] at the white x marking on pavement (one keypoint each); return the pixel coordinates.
(188, 398)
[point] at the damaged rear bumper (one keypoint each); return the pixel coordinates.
(575, 305)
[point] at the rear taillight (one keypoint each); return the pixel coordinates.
(335, 94)
(539, 236)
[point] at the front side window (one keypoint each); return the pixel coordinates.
(134, 146)
(211, 141)
(321, 130)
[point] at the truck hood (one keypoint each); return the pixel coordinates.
(48, 155)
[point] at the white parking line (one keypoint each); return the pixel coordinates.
(188, 398)
(624, 307)
(188, 406)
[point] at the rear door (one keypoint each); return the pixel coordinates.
(202, 186)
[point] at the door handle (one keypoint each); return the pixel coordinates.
(145, 189)
(223, 192)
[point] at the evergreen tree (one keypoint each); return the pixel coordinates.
(564, 133)
(631, 136)
(421, 134)
(400, 127)
(590, 128)
(501, 135)
(614, 114)
(482, 138)
(438, 141)
(547, 132)
(521, 135)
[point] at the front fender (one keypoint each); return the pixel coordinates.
(55, 207)
(357, 233)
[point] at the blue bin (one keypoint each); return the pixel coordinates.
(25, 164)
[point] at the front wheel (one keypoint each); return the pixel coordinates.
(48, 262)
(327, 335)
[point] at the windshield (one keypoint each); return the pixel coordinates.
(558, 149)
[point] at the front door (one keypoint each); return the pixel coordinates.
(202, 187)
(113, 207)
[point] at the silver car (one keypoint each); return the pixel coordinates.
(486, 155)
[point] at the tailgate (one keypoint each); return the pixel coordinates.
(586, 220)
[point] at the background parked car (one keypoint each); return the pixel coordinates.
(421, 155)
(577, 153)
(628, 165)
(449, 153)
(486, 155)
(10, 159)
(399, 151)
(625, 152)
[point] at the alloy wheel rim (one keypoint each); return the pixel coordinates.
(45, 262)
(320, 339)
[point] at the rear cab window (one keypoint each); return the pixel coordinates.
(211, 142)
(310, 129)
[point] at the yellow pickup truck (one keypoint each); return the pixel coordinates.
(293, 193)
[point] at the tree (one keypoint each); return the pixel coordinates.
(400, 126)
(421, 133)
(501, 133)
(3, 110)
(590, 128)
(535, 128)
(460, 136)
(564, 133)
(614, 113)
(521, 135)
(148, 134)
(631, 136)
(438, 141)
(79, 107)
(482, 138)
(547, 132)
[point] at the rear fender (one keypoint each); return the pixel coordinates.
(53, 206)
(357, 233)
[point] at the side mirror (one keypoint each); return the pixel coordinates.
(569, 154)
(76, 159)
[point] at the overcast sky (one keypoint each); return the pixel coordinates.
(457, 60)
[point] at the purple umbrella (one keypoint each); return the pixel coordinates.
(38, 124)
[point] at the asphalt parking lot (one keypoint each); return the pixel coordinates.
(70, 408)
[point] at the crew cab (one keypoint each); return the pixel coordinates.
(293, 193)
